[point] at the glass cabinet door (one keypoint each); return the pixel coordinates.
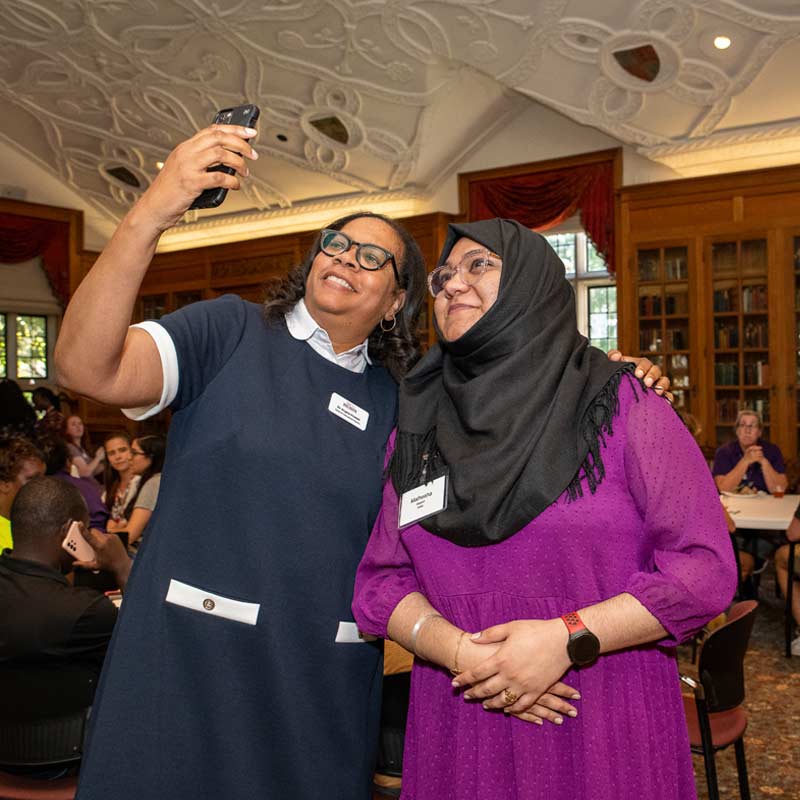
(663, 314)
(741, 332)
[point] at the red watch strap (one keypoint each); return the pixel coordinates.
(573, 622)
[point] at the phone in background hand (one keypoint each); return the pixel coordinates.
(240, 115)
(76, 545)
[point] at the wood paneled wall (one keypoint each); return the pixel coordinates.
(244, 268)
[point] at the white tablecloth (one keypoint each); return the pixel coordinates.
(762, 510)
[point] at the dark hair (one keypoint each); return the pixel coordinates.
(398, 349)
(56, 454)
(16, 413)
(14, 452)
(43, 506)
(47, 394)
(111, 477)
(153, 447)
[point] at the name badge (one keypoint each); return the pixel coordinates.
(423, 501)
(349, 412)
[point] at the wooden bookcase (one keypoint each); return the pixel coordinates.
(709, 287)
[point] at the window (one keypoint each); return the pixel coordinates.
(603, 316)
(31, 334)
(595, 291)
(565, 246)
(29, 319)
(25, 346)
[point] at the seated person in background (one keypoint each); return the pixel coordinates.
(53, 623)
(52, 421)
(147, 458)
(17, 417)
(58, 465)
(120, 481)
(746, 561)
(782, 574)
(78, 444)
(20, 460)
(749, 460)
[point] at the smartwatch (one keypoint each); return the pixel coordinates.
(583, 647)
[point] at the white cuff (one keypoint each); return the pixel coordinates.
(169, 369)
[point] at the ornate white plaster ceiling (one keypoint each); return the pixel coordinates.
(92, 85)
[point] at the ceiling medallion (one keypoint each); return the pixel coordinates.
(642, 62)
(332, 127)
(124, 175)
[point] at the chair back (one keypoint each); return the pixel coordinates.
(44, 712)
(721, 662)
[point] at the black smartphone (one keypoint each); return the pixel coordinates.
(240, 115)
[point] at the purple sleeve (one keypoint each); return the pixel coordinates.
(691, 574)
(775, 457)
(385, 575)
(724, 461)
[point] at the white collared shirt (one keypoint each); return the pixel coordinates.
(302, 327)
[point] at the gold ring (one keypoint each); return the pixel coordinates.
(509, 697)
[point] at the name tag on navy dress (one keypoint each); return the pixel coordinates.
(423, 501)
(349, 412)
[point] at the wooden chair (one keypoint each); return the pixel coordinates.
(714, 715)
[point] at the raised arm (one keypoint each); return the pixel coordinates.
(97, 355)
(86, 469)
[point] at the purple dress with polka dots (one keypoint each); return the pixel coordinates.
(654, 529)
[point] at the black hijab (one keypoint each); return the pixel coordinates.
(516, 408)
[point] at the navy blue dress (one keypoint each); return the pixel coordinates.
(266, 498)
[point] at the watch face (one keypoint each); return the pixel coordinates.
(584, 647)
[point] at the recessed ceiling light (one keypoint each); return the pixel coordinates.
(159, 165)
(722, 42)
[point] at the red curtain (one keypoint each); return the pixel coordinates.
(542, 200)
(23, 238)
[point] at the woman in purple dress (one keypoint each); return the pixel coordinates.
(532, 544)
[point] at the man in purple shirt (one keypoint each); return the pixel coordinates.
(749, 460)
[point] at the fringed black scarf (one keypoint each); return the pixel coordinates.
(517, 408)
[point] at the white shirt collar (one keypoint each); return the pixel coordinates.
(303, 327)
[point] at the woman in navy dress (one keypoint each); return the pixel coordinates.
(236, 670)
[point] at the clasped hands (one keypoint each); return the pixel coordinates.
(526, 658)
(754, 455)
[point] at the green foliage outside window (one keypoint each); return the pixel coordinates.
(603, 317)
(594, 261)
(31, 335)
(564, 245)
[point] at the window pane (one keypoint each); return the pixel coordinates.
(3, 368)
(564, 245)
(603, 317)
(31, 337)
(594, 261)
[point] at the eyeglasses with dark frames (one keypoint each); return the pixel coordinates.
(368, 256)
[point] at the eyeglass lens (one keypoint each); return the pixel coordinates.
(470, 269)
(368, 256)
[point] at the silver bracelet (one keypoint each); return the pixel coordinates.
(418, 627)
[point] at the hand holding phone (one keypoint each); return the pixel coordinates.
(246, 116)
(76, 545)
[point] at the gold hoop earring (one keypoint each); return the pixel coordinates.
(394, 325)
